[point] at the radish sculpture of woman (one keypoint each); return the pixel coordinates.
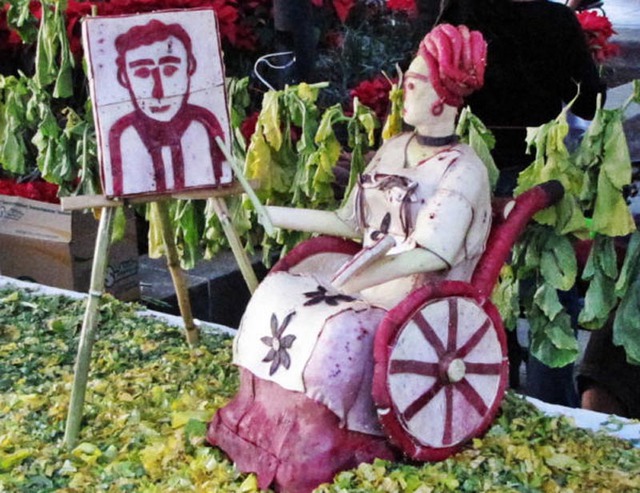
(422, 211)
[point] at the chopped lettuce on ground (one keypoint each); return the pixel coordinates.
(150, 397)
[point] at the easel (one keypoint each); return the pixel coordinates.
(100, 261)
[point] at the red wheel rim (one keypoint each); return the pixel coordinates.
(441, 370)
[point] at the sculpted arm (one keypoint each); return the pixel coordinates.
(340, 222)
(311, 220)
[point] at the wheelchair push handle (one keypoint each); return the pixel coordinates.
(512, 220)
(553, 190)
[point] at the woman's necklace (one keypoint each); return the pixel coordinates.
(428, 140)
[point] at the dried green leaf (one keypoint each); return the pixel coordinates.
(547, 299)
(558, 264)
(626, 325)
(631, 265)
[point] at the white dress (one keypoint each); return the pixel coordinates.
(301, 333)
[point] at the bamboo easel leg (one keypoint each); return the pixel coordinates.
(89, 324)
(220, 206)
(179, 283)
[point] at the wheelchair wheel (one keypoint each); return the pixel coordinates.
(441, 369)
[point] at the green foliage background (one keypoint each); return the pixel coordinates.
(593, 209)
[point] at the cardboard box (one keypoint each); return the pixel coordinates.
(41, 243)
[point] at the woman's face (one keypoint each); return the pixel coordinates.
(419, 95)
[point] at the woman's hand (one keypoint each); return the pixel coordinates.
(379, 269)
(363, 259)
(310, 220)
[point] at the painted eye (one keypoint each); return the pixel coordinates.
(169, 70)
(410, 85)
(142, 72)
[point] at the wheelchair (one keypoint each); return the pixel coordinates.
(441, 366)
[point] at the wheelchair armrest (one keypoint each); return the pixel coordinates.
(315, 246)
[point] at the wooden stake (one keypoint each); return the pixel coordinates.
(220, 206)
(89, 324)
(179, 283)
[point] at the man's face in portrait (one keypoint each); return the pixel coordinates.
(158, 77)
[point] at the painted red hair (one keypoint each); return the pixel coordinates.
(456, 58)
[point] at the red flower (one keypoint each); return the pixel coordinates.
(408, 6)
(9, 39)
(374, 93)
(229, 19)
(48, 192)
(596, 23)
(607, 51)
(6, 187)
(334, 39)
(75, 11)
(29, 191)
(343, 7)
(598, 29)
(245, 38)
(248, 126)
(39, 190)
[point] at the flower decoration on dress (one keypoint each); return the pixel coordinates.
(278, 344)
(598, 29)
(384, 226)
(400, 193)
(321, 295)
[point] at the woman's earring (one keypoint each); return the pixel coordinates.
(437, 108)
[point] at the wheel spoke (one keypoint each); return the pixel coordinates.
(415, 407)
(429, 334)
(447, 435)
(453, 325)
(472, 397)
(483, 368)
(413, 366)
(473, 340)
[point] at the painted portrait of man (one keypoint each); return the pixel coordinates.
(158, 135)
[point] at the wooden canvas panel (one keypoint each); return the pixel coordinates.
(157, 86)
